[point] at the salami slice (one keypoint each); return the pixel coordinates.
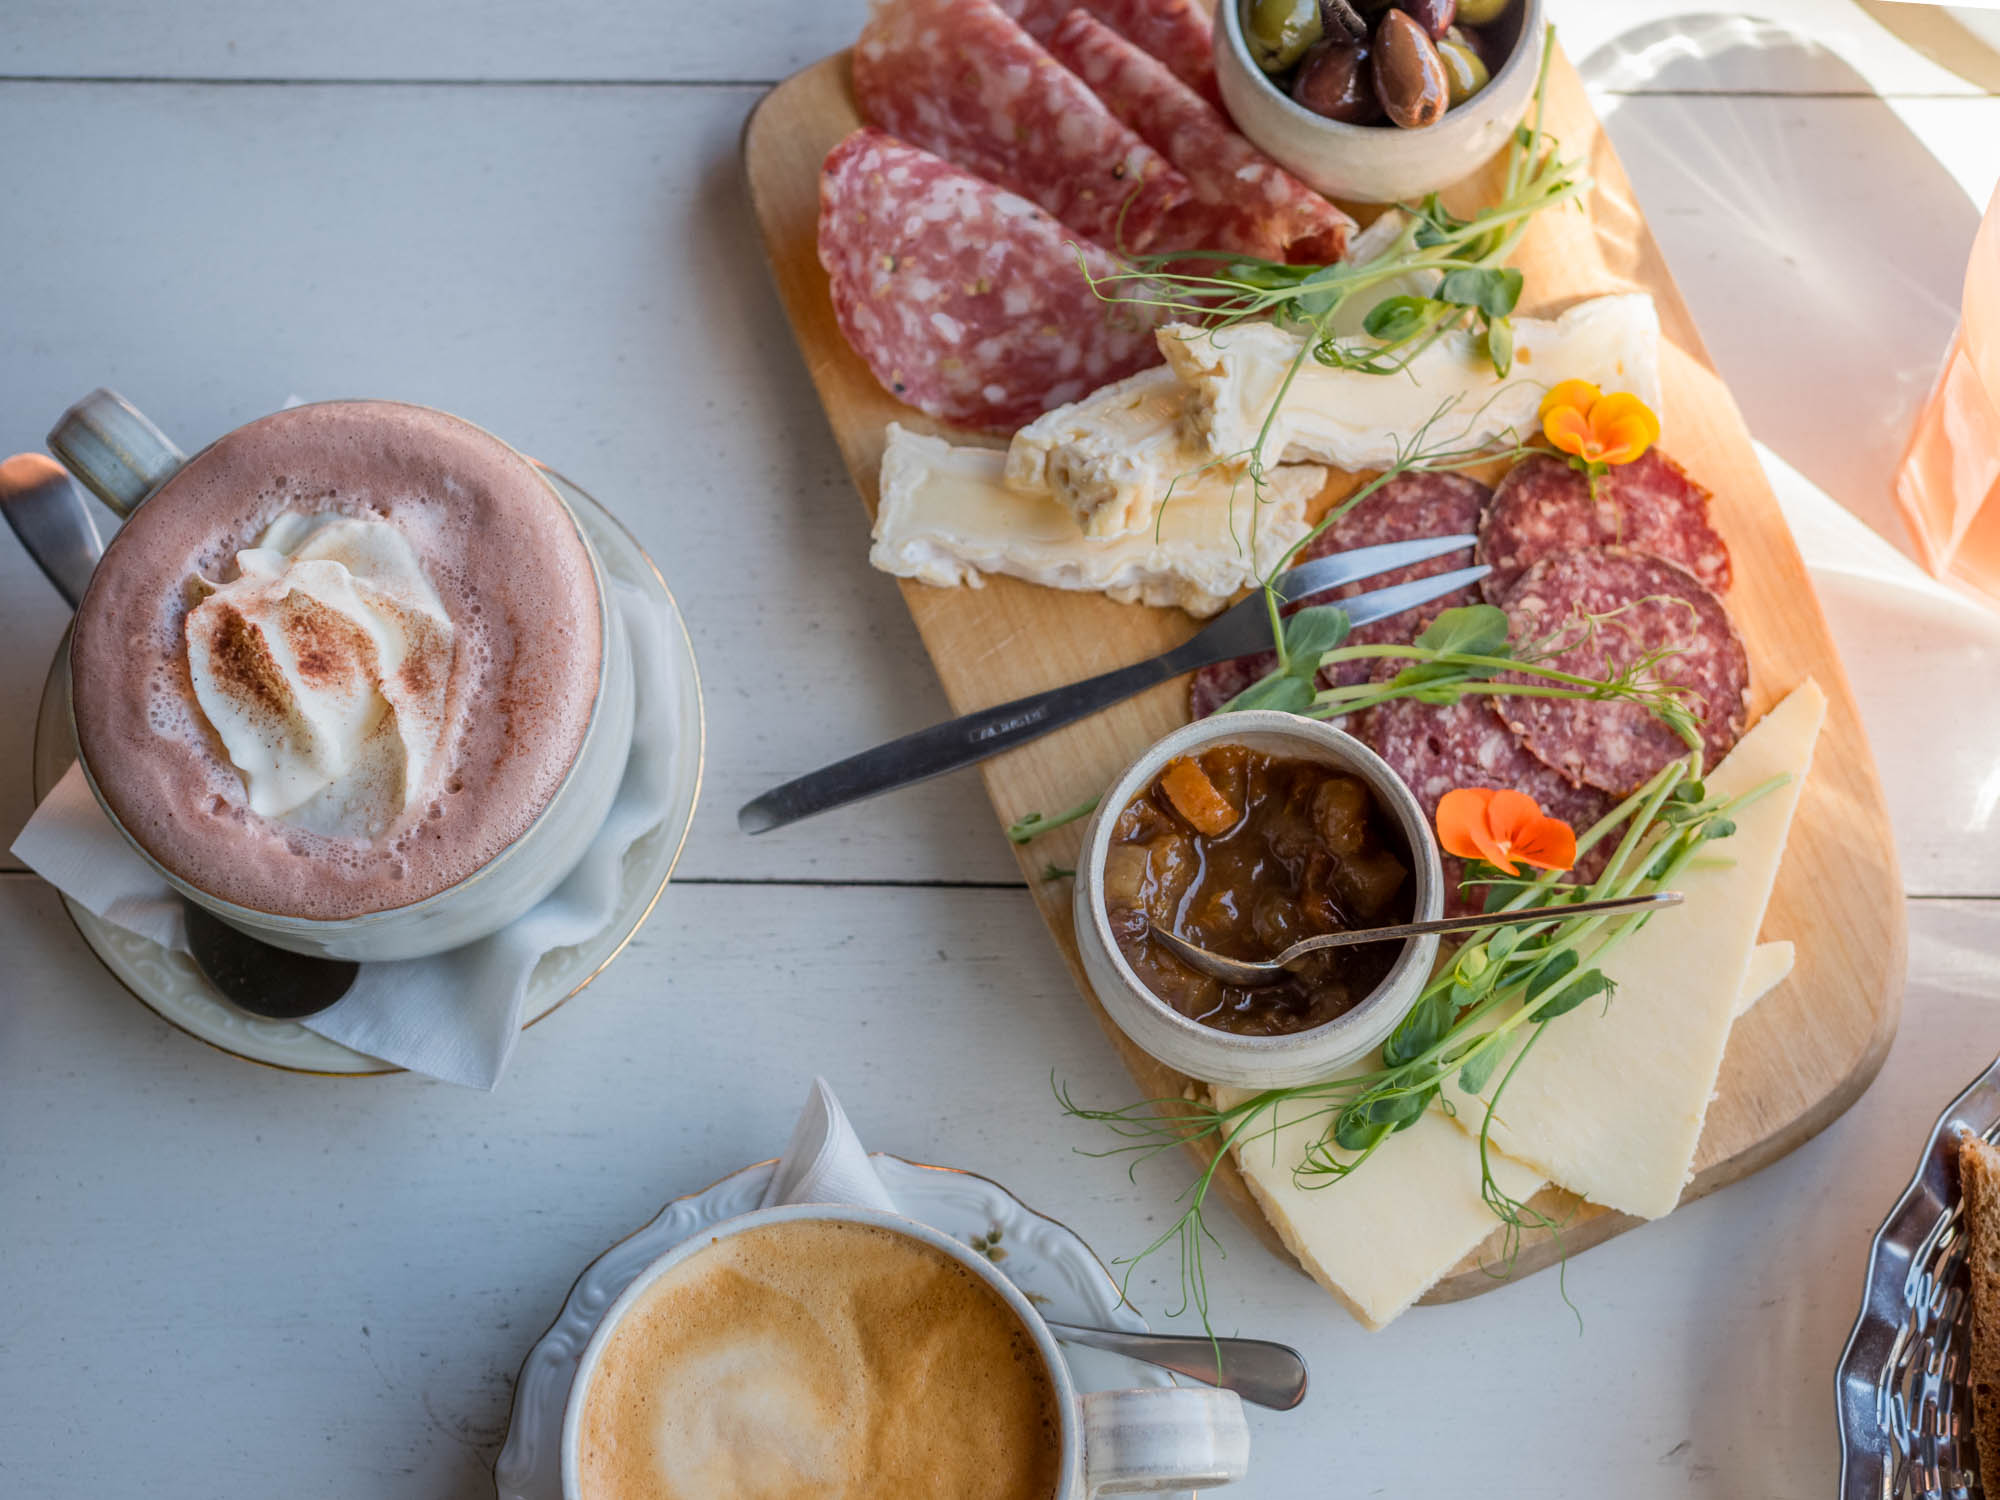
(1243, 201)
(1435, 748)
(1643, 605)
(1407, 507)
(1649, 505)
(1178, 32)
(966, 301)
(1213, 686)
(962, 79)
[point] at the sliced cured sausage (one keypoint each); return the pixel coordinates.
(1213, 686)
(1178, 32)
(966, 301)
(1436, 748)
(961, 79)
(1649, 505)
(1407, 507)
(1243, 201)
(1602, 611)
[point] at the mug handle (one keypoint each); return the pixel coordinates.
(114, 449)
(1162, 1438)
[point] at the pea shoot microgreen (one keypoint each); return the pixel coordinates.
(1465, 254)
(1469, 1030)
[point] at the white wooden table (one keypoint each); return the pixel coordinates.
(222, 1280)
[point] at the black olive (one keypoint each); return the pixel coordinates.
(1333, 80)
(1409, 76)
(1338, 18)
(1435, 16)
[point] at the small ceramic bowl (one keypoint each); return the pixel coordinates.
(1223, 1057)
(1376, 163)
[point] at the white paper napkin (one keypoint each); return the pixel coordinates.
(456, 1016)
(825, 1161)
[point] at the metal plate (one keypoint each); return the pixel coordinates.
(1905, 1401)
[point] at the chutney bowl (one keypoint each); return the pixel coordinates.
(1256, 1062)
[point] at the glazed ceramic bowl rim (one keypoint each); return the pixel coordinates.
(608, 622)
(1390, 788)
(1466, 119)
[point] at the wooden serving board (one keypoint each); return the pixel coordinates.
(1795, 1062)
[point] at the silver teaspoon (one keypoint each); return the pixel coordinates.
(45, 508)
(1250, 974)
(1259, 1371)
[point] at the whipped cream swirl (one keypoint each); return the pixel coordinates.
(324, 666)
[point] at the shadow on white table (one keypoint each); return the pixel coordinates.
(1821, 244)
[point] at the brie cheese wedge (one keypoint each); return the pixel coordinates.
(1109, 458)
(1357, 421)
(946, 517)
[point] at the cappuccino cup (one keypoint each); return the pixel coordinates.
(350, 677)
(826, 1351)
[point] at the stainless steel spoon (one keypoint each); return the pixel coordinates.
(45, 508)
(1259, 1371)
(1250, 974)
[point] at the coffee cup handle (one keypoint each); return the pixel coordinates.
(1162, 1438)
(105, 441)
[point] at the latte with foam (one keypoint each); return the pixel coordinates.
(339, 661)
(820, 1358)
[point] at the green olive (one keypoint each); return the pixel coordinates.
(1279, 31)
(1479, 12)
(1464, 73)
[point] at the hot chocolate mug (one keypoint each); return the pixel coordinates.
(1144, 1441)
(129, 463)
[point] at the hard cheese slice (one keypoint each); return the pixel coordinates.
(1770, 965)
(1380, 1239)
(1611, 1100)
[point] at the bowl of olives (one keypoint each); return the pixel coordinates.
(1378, 101)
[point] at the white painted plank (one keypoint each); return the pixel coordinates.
(1790, 46)
(574, 269)
(225, 1273)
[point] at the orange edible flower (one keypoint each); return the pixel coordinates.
(1500, 827)
(1195, 797)
(1596, 429)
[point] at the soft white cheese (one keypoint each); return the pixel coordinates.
(946, 517)
(1359, 421)
(1610, 1102)
(1108, 458)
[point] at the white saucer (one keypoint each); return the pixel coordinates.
(1048, 1261)
(170, 985)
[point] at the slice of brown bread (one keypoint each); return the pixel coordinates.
(1979, 1181)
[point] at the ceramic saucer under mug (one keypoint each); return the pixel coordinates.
(1048, 1261)
(170, 985)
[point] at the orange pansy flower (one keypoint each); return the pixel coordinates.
(1502, 827)
(1581, 421)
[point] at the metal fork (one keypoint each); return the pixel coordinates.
(1243, 628)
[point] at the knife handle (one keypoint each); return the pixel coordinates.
(948, 746)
